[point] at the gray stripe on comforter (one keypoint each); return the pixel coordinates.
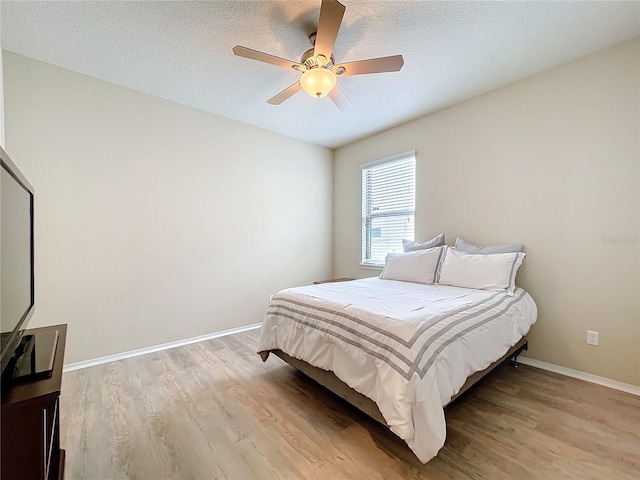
(385, 359)
(458, 335)
(407, 343)
(277, 309)
(411, 362)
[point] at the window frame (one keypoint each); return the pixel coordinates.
(367, 216)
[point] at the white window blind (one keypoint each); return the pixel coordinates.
(388, 205)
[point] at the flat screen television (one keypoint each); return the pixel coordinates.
(22, 356)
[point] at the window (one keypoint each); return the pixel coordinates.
(388, 205)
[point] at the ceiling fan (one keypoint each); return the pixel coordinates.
(317, 65)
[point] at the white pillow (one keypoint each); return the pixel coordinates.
(410, 245)
(496, 272)
(464, 246)
(418, 267)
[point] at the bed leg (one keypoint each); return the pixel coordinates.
(514, 360)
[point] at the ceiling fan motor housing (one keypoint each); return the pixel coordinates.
(309, 61)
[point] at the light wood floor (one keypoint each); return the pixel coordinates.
(213, 410)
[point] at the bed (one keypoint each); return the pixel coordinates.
(399, 351)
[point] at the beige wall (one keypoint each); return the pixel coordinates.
(154, 221)
(1, 90)
(553, 162)
(1, 102)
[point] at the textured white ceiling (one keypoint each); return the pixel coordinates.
(181, 51)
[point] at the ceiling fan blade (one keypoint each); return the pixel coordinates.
(285, 94)
(245, 52)
(331, 13)
(373, 65)
(340, 99)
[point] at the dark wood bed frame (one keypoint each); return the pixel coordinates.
(334, 384)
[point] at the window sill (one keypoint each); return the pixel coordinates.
(372, 266)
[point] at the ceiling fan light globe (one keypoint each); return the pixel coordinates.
(318, 82)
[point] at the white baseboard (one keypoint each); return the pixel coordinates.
(587, 377)
(156, 348)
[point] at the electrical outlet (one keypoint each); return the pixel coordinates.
(592, 337)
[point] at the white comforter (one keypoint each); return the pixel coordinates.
(409, 347)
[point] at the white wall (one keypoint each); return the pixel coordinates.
(154, 221)
(551, 161)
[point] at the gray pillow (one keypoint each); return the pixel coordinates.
(464, 246)
(411, 246)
